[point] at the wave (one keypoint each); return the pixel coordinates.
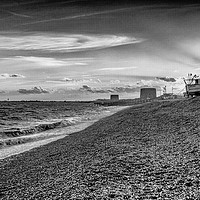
(20, 132)
(40, 127)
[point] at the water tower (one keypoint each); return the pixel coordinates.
(148, 93)
(114, 97)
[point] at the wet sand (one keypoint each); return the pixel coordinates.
(16, 149)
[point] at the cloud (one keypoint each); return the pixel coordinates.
(86, 88)
(75, 82)
(116, 68)
(76, 16)
(11, 76)
(114, 81)
(35, 90)
(63, 42)
(17, 14)
(167, 79)
(177, 85)
(91, 14)
(124, 89)
(93, 80)
(68, 79)
(46, 61)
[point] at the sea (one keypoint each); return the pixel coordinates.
(38, 122)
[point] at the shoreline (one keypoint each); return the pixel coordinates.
(51, 136)
(144, 152)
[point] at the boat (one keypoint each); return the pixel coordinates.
(192, 85)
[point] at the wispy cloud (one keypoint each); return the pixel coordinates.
(116, 68)
(85, 15)
(47, 61)
(63, 42)
(114, 82)
(76, 16)
(4, 76)
(17, 14)
(42, 61)
(11, 4)
(74, 81)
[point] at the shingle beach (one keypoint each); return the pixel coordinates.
(148, 151)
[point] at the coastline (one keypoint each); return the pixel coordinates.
(53, 135)
(144, 152)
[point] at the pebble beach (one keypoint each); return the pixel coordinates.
(148, 151)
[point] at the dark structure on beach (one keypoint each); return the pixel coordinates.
(114, 97)
(148, 93)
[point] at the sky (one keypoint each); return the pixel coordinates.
(86, 50)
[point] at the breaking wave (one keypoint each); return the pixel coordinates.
(40, 127)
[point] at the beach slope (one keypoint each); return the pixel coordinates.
(148, 151)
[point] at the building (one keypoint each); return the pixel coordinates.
(148, 93)
(114, 97)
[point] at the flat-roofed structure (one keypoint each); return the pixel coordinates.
(114, 97)
(148, 93)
